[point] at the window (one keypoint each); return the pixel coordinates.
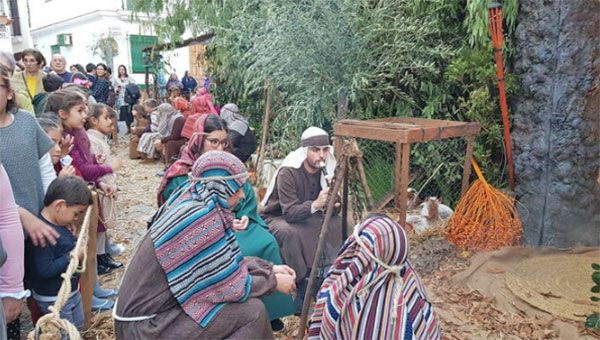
(14, 15)
(137, 43)
(129, 5)
(54, 49)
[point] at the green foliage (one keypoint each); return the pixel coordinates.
(106, 47)
(422, 58)
(593, 321)
(477, 23)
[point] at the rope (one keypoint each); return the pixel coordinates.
(395, 271)
(50, 325)
(113, 212)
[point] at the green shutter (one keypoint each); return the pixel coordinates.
(137, 43)
(55, 49)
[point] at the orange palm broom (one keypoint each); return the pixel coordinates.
(485, 218)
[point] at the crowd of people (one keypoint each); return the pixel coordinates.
(214, 263)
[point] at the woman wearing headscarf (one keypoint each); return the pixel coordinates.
(189, 84)
(372, 291)
(179, 102)
(174, 82)
(188, 278)
(256, 240)
(199, 105)
(241, 137)
(166, 119)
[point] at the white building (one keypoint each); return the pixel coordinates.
(72, 27)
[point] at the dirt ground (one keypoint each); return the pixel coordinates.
(464, 312)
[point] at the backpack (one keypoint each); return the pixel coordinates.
(39, 103)
(132, 94)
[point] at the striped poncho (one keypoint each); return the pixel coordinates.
(194, 243)
(372, 291)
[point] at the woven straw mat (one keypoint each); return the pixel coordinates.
(557, 284)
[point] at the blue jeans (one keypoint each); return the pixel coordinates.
(72, 311)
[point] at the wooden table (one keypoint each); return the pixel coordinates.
(404, 131)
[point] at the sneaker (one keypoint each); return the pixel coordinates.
(100, 305)
(107, 261)
(115, 249)
(102, 269)
(102, 293)
(277, 325)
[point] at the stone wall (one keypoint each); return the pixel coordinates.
(556, 126)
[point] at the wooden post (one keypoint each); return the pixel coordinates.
(397, 174)
(337, 144)
(322, 239)
(345, 205)
(467, 165)
(403, 182)
(88, 277)
(363, 179)
(264, 133)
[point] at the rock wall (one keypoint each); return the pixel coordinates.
(556, 126)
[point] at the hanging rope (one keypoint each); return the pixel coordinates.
(51, 326)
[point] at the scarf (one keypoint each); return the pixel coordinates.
(167, 115)
(194, 242)
(297, 157)
(372, 290)
(235, 121)
(203, 100)
(182, 106)
(188, 156)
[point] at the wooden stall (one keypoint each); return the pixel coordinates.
(404, 131)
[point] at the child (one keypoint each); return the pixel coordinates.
(100, 125)
(71, 108)
(66, 200)
(53, 128)
(140, 123)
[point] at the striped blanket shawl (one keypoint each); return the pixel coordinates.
(194, 243)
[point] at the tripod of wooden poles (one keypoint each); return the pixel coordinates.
(350, 159)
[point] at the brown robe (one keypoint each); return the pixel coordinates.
(173, 143)
(145, 291)
(290, 220)
(136, 133)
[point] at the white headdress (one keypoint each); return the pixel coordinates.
(313, 136)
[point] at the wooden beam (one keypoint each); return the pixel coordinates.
(404, 183)
(171, 46)
(264, 133)
(88, 278)
(387, 198)
(397, 174)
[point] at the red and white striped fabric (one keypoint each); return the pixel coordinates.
(372, 290)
